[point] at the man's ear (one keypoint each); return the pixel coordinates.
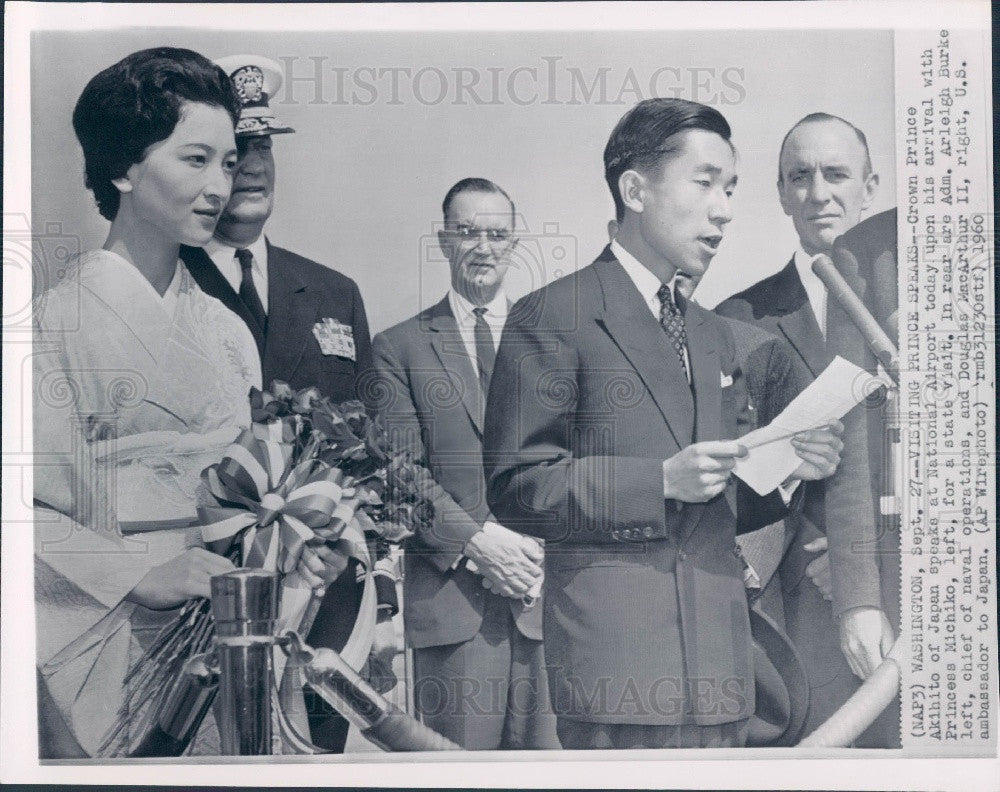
(444, 242)
(871, 187)
(631, 187)
(785, 206)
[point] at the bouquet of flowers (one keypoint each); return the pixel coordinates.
(310, 479)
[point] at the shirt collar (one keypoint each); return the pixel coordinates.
(496, 309)
(218, 251)
(803, 264)
(645, 281)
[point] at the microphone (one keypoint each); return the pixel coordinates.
(885, 351)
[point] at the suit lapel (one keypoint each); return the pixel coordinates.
(446, 341)
(796, 320)
(291, 308)
(214, 284)
(705, 372)
(639, 336)
(802, 332)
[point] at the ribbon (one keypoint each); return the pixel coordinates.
(273, 509)
(276, 509)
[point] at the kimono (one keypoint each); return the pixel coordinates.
(134, 394)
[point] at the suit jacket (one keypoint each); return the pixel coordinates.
(429, 396)
(646, 615)
(867, 258)
(780, 305)
(774, 375)
(300, 293)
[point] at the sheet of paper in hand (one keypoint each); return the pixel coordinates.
(772, 457)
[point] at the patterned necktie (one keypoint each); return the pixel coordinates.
(485, 353)
(672, 322)
(248, 292)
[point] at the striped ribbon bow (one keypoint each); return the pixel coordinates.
(274, 508)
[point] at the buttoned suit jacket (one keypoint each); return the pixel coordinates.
(429, 395)
(300, 293)
(646, 617)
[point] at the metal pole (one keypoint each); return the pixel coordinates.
(245, 606)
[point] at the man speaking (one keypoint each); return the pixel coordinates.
(608, 433)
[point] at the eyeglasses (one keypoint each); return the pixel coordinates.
(495, 236)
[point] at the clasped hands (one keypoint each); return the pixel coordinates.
(701, 471)
(509, 563)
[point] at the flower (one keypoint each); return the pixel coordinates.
(318, 469)
(302, 402)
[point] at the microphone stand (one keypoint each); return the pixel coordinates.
(887, 355)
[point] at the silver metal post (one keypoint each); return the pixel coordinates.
(245, 606)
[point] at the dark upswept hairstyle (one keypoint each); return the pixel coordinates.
(647, 134)
(126, 108)
(474, 184)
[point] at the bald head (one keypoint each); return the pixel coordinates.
(825, 179)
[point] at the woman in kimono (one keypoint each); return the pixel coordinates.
(141, 380)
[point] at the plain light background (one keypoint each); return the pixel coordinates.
(360, 184)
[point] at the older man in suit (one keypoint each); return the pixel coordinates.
(479, 678)
(825, 182)
(604, 435)
(309, 324)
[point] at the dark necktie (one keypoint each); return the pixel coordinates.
(672, 321)
(248, 292)
(485, 353)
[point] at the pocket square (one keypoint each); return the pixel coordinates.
(726, 380)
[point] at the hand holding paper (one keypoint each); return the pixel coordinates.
(819, 451)
(772, 456)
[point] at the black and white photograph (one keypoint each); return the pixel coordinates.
(527, 394)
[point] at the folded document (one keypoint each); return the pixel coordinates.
(772, 457)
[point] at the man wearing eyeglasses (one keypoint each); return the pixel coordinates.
(478, 665)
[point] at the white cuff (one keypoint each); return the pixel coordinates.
(787, 488)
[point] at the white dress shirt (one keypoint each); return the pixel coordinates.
(224, 257)
(648, 285)
(815, 288)
(495, 316)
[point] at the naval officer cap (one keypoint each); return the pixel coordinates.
(256, 80)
